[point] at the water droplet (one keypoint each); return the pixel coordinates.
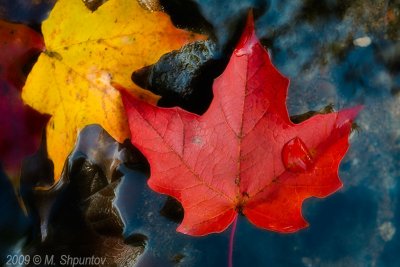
(296, 157)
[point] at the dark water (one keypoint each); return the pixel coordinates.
(337, 52)
(14, 226)
(25, 11)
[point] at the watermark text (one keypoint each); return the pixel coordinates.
(52, 260)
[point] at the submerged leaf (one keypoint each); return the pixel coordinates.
(76, 215)
(21, 126)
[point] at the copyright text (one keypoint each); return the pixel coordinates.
(51, 260)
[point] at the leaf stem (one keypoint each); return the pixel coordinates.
(231, 238)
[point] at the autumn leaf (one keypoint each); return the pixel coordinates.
(244, 155)
(21, 126)
(86, 50)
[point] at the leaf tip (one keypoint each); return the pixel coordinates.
(348, 115)
(248, 38)
(126, 96)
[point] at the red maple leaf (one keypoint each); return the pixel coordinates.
(244, 155)
(20, 126)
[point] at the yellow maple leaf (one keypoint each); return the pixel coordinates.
(87, 50)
